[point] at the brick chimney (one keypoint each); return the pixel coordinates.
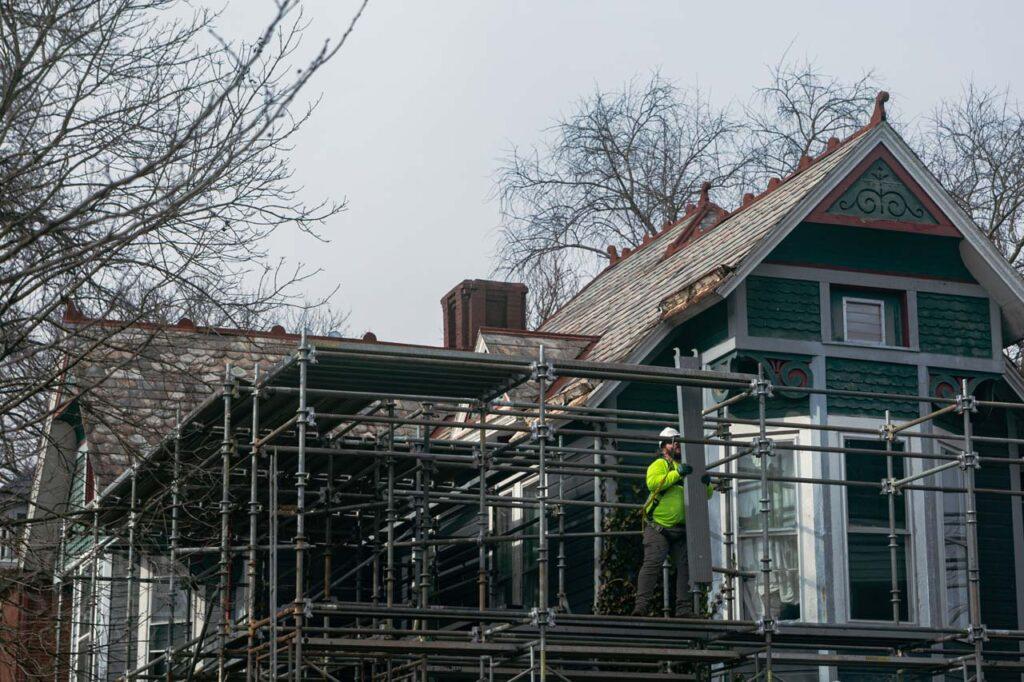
(476, 303)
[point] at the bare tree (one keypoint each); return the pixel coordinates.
(797, 111)
(616, 169)
(143, 162)
(975, 146)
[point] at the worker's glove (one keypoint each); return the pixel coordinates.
(684, 469)
(706, 479)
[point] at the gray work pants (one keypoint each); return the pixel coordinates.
(658, 543)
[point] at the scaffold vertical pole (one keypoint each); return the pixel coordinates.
(561, 599)
(272, 519)
(94, 602)
(130, 606)
(598, 520)
(728, 537)
(392, 519)
(254, 509)
(225, 525)
(305, 420)
(483, 526)
(891, 491)
(542, 374)
(969, 462)
(764, 449)
(173, 568)
(58, 599)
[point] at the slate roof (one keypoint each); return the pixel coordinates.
(129, 387)
(626, 301)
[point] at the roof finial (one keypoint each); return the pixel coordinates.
(879, 115)
(705, 187)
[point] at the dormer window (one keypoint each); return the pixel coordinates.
(871, 317)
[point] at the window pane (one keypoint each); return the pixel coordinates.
(864, 321)
(784, 589)
(867, 506)
(782, 495)
(954, 535)
(871, 578)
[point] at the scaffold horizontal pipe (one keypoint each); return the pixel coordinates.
(899, 483)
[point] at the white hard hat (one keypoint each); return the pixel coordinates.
(668, 433)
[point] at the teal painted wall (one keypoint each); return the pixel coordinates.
(874, 250)
(880, 377)
(955, 325)
(702, 331)
(787, 308)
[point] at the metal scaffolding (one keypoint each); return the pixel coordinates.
(315, 513)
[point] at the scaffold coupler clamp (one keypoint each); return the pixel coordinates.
(977, 633)
(889, 487)
(968, 460)
(966, 403)
(761, 386)
(540, 431)
(762, 446)
(544, 617)
(307, 416)
(307, 608)
(542, 370)
(887, 432)
(766, 626)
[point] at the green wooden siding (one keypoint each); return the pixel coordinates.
(861, 248)
(864, 375)
(954, 325)
(787, 308)
(701, 332)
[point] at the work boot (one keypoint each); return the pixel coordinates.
(685, 611)
(640, 610)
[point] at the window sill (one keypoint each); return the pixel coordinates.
(872, 346)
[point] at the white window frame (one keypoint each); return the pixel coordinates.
(880, 304)
(84, 590)
(949, 449)
(517, 515)
(910, 597)
(739, 536)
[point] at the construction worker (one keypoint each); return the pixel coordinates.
(665, 525)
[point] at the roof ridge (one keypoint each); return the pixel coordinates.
(537, 332)
(74, 316)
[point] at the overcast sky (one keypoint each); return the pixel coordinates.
(427, 96)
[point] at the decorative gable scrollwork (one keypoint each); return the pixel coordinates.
(879, 194)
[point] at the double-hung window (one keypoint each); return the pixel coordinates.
(169, 621)
(516, 560)
(954, 546)
(867, 512)
(784, 588)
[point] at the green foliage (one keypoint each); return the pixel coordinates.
(620, 561)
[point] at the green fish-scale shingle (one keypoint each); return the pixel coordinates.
(879, 377)
(954, 325)
(787, 308)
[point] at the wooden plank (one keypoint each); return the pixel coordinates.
(691, 426)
